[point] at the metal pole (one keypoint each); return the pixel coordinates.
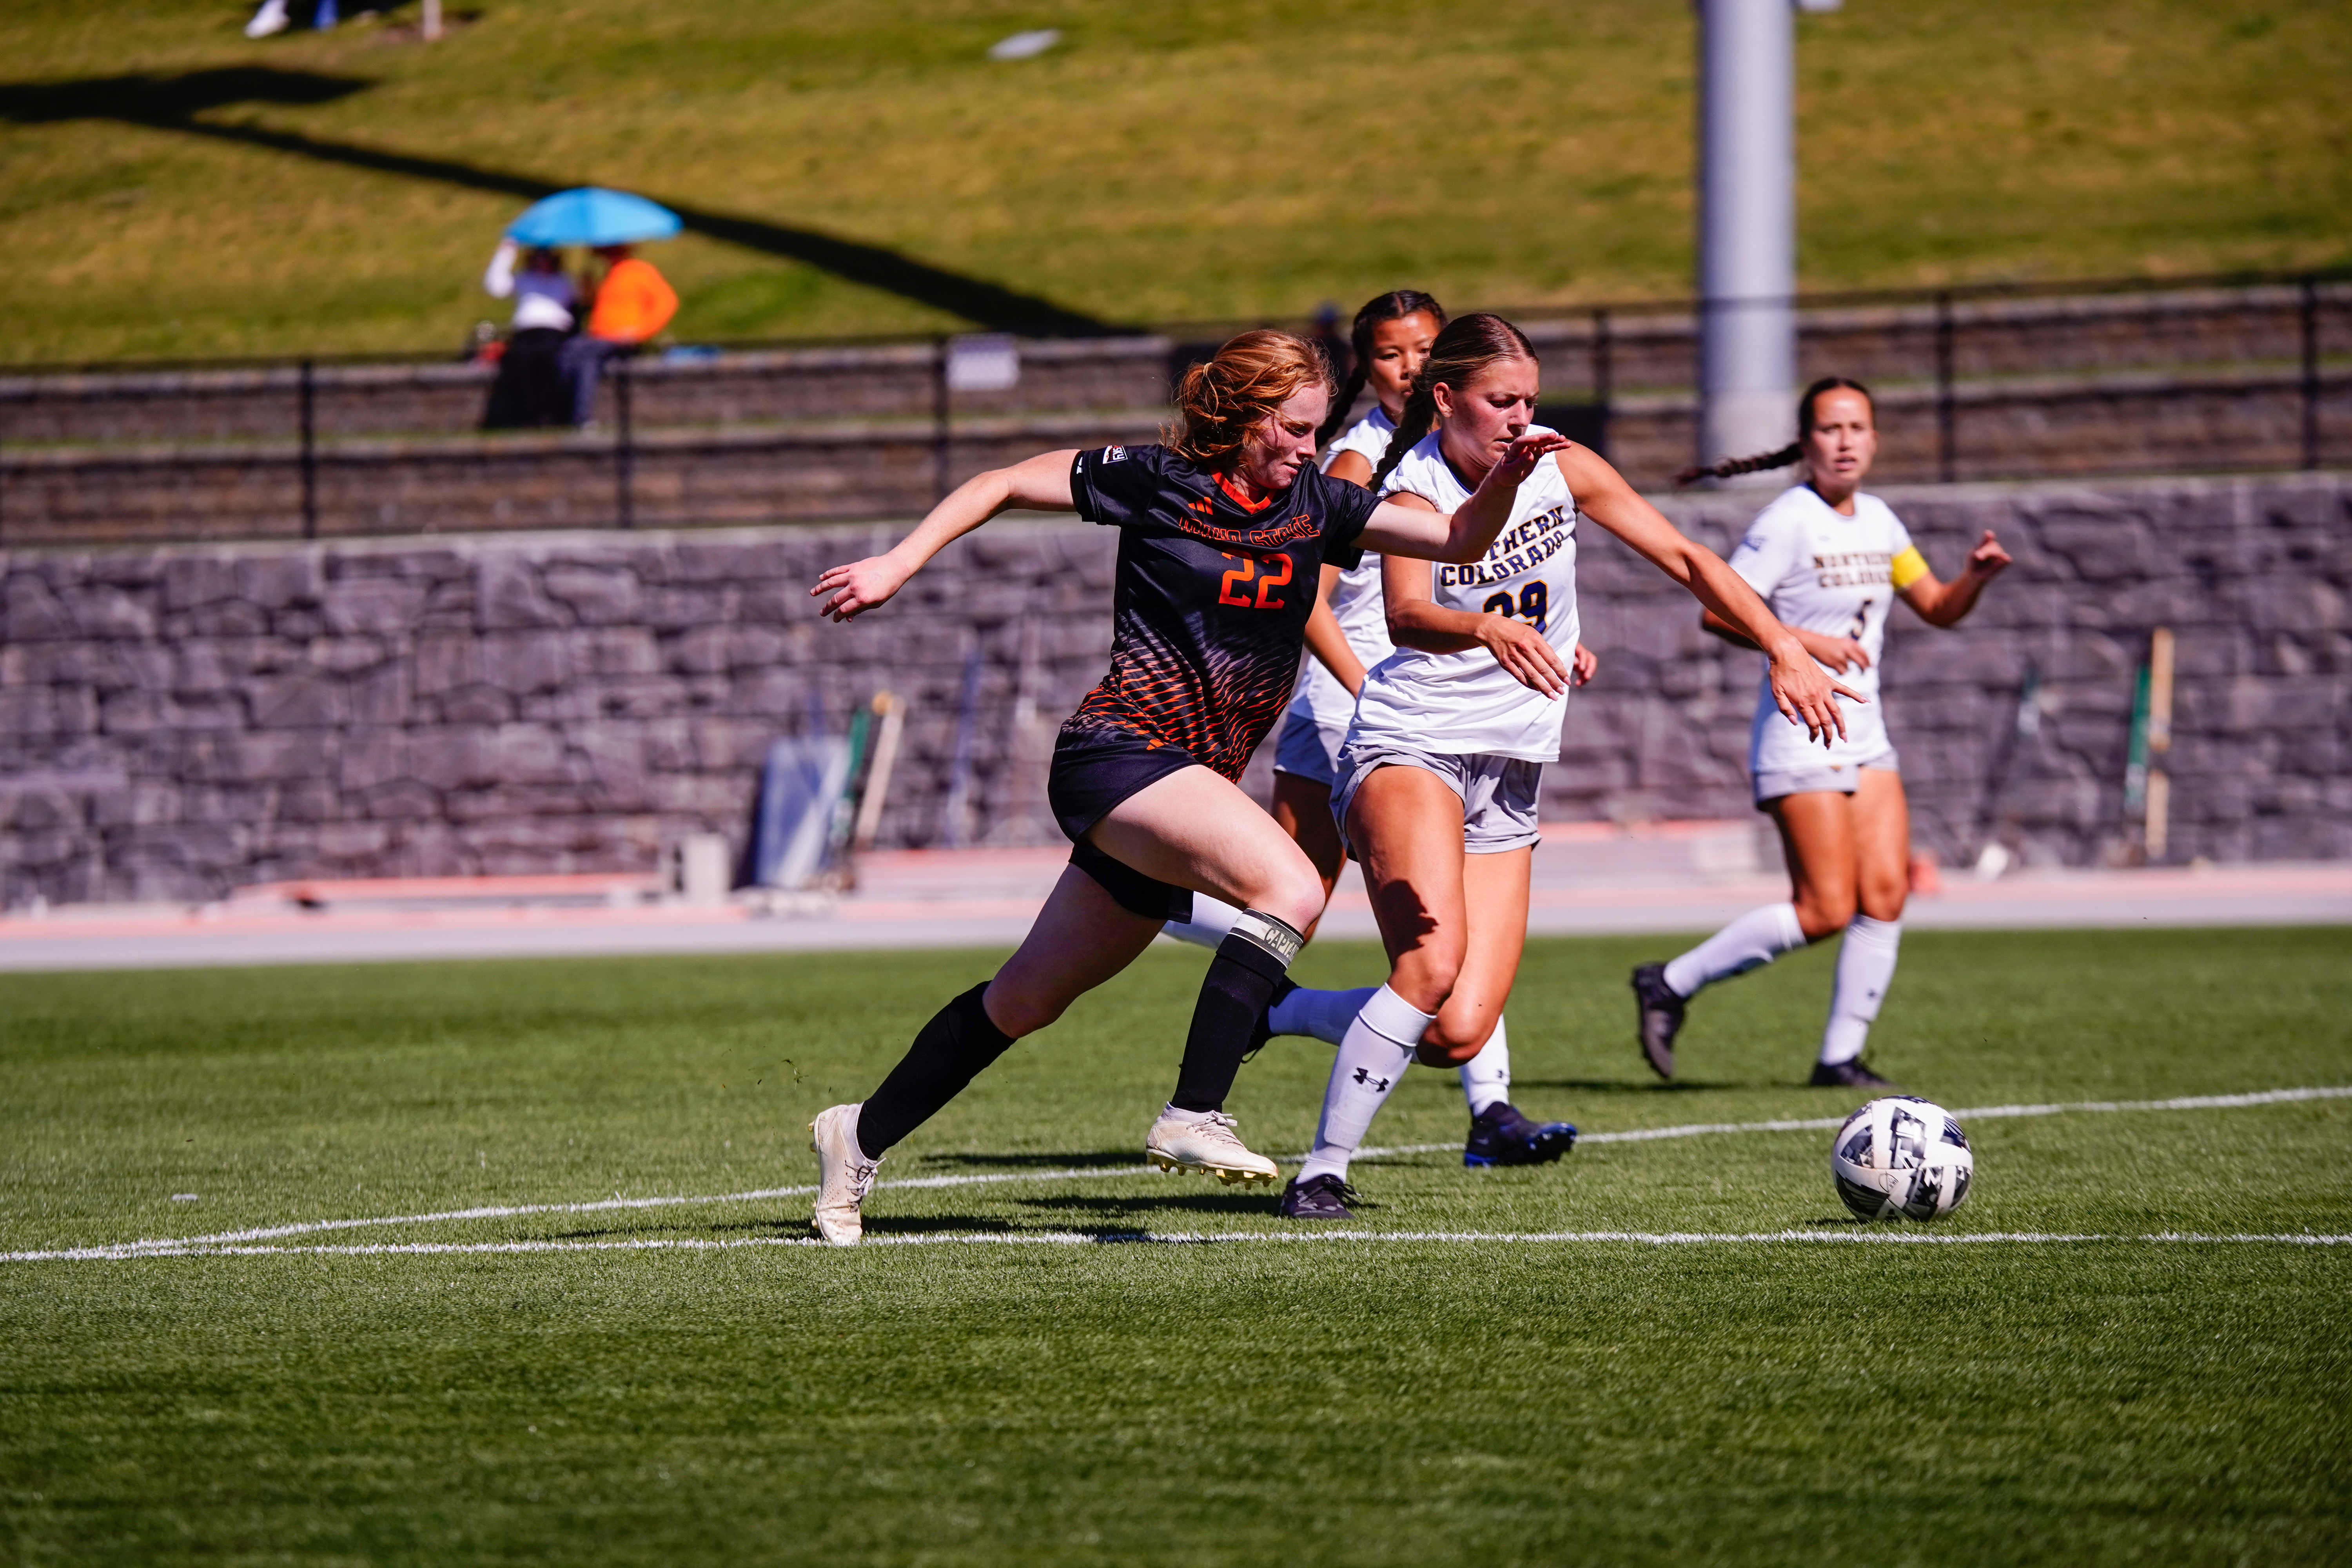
(2158, 831)
(625, 434)
(877, 777)
(1747, 226)
(942, 455)
(309, 453)
(1603, 379)
(2311, 373)
(1948, 446)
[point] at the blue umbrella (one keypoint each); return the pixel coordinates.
(592, 216)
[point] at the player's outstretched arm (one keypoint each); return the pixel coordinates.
(1041, 483)
(1802, 688)
(1467, 534)
(1944, 603)
(1834, 652)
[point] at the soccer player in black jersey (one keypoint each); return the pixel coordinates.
(1223, 537)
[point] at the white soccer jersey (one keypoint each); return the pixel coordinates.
(1821, 571)
(1355, 599)
(1466, 703)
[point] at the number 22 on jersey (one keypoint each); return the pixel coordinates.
(1236, 589)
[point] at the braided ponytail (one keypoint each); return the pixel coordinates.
(1463, 352)
(1731, 467)
(1393, 306)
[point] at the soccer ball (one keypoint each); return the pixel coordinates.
(1901, 1157)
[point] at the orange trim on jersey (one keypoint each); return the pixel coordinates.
(1225, 483)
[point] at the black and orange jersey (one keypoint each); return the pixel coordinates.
(1212, 599)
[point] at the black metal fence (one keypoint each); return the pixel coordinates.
(1997, 381)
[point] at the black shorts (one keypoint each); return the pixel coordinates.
(1093, 771)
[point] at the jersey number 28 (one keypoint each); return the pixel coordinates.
(1535, 600)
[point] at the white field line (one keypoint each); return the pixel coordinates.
(1974, 1113)
(229, 1240)
(1190, 1238)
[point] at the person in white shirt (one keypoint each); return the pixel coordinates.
(1830, 560)
(1348, 634)
(1442, 764)
(529, 390)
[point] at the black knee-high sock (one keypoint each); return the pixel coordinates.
(948, 1053)
(1249, 965)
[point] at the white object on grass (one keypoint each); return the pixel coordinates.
(1901, 1157)
(1024, 46)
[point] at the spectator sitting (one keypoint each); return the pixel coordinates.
(530, 389)
(633, 303)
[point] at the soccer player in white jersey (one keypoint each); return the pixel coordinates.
(1830, 560)
(1440, 767)
(1348, 634)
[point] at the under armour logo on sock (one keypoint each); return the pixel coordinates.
(1364, 1075)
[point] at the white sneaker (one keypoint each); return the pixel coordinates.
(1180, 1140)
(269, 19)
(843, 1175)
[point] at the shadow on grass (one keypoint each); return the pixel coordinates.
(173, 103)
(933, 1224)
(1097, 1160)
(1259, 1203)
(1633, 1086)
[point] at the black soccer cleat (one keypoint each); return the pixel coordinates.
(1263, 1030)
(1504, 1135)
(1845, 1074)
(1660, 1018)
(1318, 1198)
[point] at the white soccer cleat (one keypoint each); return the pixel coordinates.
(843, 1175)
(270, 19)
(1181, 1141)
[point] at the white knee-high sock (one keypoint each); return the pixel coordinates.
(1486, 1077)
(1212, 919)
(1373, 1057)
(1323, 1014)
(1758, 937)
(1865, 968)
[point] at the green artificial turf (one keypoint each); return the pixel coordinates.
(1338, 1402)
(1214, 159)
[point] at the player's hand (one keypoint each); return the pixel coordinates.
(1521, 649)
(1519, 459)
(1835, 653)
(1583, 664)
(1988, 559)
(859, 587)
(1805, 694)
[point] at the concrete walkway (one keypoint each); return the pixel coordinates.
(1590, 879)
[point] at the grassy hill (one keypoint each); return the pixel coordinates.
(168, 188)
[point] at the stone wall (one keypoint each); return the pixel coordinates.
(174, 722)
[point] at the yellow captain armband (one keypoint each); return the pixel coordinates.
(1907, 568)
